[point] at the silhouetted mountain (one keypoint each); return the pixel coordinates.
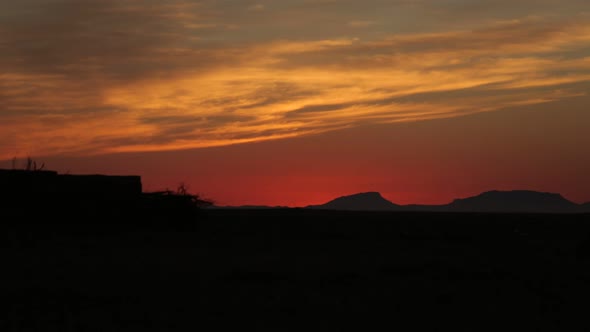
(514, 201)
(424, 208)
(491, 201)
(369, 201)
(246, 207)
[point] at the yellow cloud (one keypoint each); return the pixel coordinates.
(361, 23)
(214, 95)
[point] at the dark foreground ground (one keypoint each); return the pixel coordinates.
(293, 270)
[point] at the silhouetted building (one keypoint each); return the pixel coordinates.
(50, 182)
(41, 185)
(119, 199)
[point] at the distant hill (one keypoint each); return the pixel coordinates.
(490, 201)
(369, 201)
(246, 207)
(514, 201)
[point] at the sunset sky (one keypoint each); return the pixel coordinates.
(296, 102)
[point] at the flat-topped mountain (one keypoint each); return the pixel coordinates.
(490, 201)
(514, 201)
(369, 201)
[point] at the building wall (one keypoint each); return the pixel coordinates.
(17, 183)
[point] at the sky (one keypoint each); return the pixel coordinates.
(296, 102)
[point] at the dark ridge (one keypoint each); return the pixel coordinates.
(248, 207)
(520, 201)
(514, 201)
(369, 201)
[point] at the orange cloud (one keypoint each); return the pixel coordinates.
(158, 79)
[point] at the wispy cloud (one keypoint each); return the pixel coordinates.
(361, 23)
(256, 7)
(107, 76)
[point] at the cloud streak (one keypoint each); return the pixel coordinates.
(120, 76)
